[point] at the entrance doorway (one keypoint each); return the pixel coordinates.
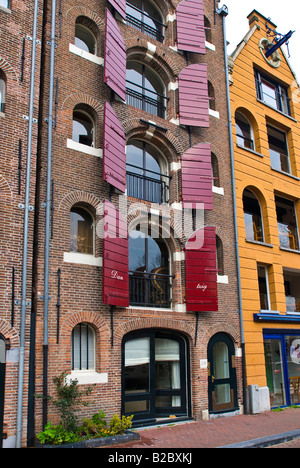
(154, 376)
(222, 383)
(282, 358)
(2, 383)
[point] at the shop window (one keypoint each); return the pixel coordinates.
(278, 147)
(263, 284)
(83, 128)
(84, 38)
(146, 173)
(272, 93)
(287, 224)
(252, 217)
(149, 278)
(81, 231)
(144, 89)
(244, 131)
(83, 347)
(144, 16)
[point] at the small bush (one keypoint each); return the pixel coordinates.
(119, 426)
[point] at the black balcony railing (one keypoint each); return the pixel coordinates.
(156, 31)
(149, 289)
(154, 105)
(145, 187)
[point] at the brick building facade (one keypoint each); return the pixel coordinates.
(129, 352)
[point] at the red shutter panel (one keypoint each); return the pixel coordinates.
(120, 6)
(114, 57)
(114, 162)
(193, 96)
(201, 271)
(196, 176)
(115, 257)
(190, 26)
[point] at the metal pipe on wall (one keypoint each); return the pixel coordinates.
(224, 12)
(48, 214)
(25, 237)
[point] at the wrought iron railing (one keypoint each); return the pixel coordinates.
(149, 289)
(140, 100)
(156, 32)
(147, 188)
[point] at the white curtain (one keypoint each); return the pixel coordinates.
(137, 352)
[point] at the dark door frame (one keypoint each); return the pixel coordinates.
(231, 380)
(154, 412)
(2, 388)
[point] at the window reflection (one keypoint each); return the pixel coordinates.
(81, 231)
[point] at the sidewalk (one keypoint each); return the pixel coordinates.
(244, 431)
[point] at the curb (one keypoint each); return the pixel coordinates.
(266, 441)
(101, 442)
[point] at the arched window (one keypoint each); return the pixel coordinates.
(215, 170)
(146, 17)
(211, 95)
(83, 127)
(220, 257)
(2, 93)
(84, 38)
(83, 347)
(146, 173)
(244, 131)
(252, 217)
(81, 231)
(144, 89)
(149, 279)
(207, 26)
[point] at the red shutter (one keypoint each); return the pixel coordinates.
(115, 257)
(193, 96)
(190, 26)
(120, 6)
(114, 57)
(201, 271)
(196, 176)
(114, 160)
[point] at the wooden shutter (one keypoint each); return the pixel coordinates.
(196, 176)
(114, 57)
(201, 271)
(114, 141)
(190, 26)
(120, 6)
(115, 257)
(193, 96)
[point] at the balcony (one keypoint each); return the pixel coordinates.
(149, 289)
(144, 187)
(144, 22)
(154, 105)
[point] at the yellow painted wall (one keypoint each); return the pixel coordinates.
(253, 170)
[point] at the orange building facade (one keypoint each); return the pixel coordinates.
(265, 112)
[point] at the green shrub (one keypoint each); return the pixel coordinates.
(119, 426)
(56, 435)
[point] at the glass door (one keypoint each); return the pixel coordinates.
(275, 370)
(154, 375)
(222, 385)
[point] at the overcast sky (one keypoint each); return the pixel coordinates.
(284, 13)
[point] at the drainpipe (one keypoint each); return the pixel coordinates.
(224, 12)
(25, 237)
(48, 215)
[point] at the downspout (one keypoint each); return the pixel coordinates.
(224, 12)
(48, 215)
(25, 237)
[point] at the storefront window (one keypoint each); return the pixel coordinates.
(282, 358)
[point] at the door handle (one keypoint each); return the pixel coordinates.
(212, 379)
